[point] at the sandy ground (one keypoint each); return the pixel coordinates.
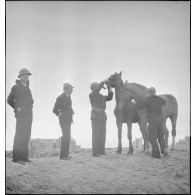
(112, 173)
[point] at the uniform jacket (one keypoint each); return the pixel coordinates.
(154, 105)
(63, 105)
(20, 96)
(98, 102)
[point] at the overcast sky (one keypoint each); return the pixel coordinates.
(82, 42)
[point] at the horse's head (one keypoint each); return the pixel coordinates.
(115, 80)
(125, 97)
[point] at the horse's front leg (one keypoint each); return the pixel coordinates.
(143, 128)
(166, 133)
(173, 143)
(119, 125)
(129, 135)
(173, 120)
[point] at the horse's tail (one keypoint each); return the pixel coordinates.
(174, 114)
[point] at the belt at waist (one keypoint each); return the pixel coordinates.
(98, 109)
(98, 113)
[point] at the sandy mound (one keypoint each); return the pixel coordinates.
(111, 173)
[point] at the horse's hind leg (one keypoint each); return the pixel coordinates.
(129, 135)
(119, 125)
(166, 132)
(173, 121)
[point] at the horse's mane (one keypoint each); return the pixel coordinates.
(137, 85)
(125, 85)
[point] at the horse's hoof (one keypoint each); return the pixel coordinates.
(130, 153)
(147, 152)
(166, 155)
(118, 152)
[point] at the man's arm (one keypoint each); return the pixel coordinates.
(98, 88)
(142, 104)
(163, 102)
(11, 98)
(110, 93)
(56, 108)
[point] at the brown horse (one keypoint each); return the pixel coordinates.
(128, 114)
(170, 109)
(125, 94)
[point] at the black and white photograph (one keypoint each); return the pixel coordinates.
(97, 97)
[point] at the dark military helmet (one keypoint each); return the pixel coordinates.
(152, 90)
(24, 71)
(94, 85)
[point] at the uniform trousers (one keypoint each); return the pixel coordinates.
(155, 132)
(22, 135)
(98, 136)
(66, 136)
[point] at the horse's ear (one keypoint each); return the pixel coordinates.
(120, 73)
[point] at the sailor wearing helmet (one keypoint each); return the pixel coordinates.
(21, 100)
